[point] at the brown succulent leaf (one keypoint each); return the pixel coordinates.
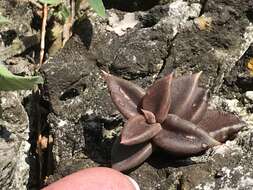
(182, 137)
(198, 107)
(149, 116)
(221, 125)
(125, 157)
(188, 101)
(125, 95)
(158, 98)
(137, 130)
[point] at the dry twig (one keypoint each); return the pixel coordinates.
(43, 33)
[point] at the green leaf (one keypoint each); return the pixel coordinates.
(4, 20)
(98, 6)
(51, 2)
(62, 14)
(8, 81)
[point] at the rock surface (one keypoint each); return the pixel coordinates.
(182, 36)
(16, 161)
(14, 146)
(18, 35)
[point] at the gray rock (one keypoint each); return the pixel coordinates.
(15, 154)
(216, 49)
(14, 146)
(18, 35)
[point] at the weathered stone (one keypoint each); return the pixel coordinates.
(17, 36)
(215, 50)
(14, 146)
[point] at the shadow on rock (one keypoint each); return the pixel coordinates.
(131, 5)
(99, 138)
(84, 30)
(161, 159)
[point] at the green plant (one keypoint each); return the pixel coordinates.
(98, 6)
(63, 14)
(50, 2)
(9, 82)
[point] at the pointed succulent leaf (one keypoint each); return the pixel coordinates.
(126, 157)
(158, 98)
(125, 95)
(137, 130)
(188, 101)
(221, 125)
(182, 137)
(149, 116)
(198, 106)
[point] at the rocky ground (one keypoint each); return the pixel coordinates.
(141, 43)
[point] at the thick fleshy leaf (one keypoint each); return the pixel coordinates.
(126, 157)
(182, 137)
(125, 95)
(149, 116)
(188, 101)
(221, 125)
(198, 106)
(158, 98)
(137, 130)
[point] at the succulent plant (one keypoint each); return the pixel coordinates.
(172, 114)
